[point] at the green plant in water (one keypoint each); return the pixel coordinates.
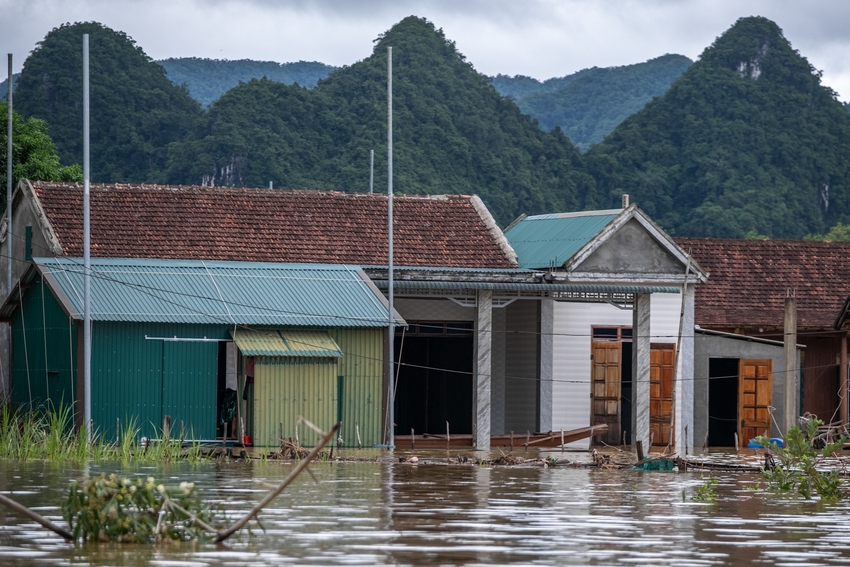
(708, 491)
(798, 464)
(136, 510)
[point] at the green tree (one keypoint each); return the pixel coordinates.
(747, 139)
(33, 153)
(135, 110)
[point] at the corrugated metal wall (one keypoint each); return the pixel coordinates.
(135, 377)
(820, 375)
(286, 388)
(362, 367)
(521, 366)
(44, 359)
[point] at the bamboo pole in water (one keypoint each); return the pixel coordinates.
(21, 509)
(224, 534)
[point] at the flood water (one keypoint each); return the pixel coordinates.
(382, 513)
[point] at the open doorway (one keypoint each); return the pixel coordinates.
(435, 377)
(722, 401)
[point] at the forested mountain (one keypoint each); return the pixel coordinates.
(453, 133)
(135, 110)
(4, 87)
(208, 79)
(588, 105)
(746, 140)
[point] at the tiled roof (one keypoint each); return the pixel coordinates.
(749, 279)
(270, 225)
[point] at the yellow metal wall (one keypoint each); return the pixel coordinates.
(362, 366)
(288, 387)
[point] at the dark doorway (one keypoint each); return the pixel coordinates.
(722, 401)
(626, 394)
(435, 380)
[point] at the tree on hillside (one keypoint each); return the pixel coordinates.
(453, 133)
(135, 110)
(33, 153)
(747, 139)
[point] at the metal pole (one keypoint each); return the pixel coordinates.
(86, 244)
(391, 333)
(371, 171)
(9, 186)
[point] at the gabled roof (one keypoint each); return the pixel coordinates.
(271, 225)
(751, 278)
(611, 245)
(542, 241)
(229, 293)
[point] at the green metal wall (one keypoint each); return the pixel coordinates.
(44, 354)
(133, 377)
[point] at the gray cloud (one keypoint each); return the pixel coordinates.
(541, 38)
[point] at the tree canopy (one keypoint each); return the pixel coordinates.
(135, 110)
(453, 133)
(747, 139)
(33, 153)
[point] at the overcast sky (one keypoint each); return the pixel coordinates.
(539, 38)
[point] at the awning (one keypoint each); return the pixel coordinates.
(285, 343)
(530, 287)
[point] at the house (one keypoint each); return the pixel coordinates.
(745, 296)
(176, 338)
(625, 360)
(480, 349)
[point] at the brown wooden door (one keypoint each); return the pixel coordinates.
(662, 369)
(605, 392)
(755, 393)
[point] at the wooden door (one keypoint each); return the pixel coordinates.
(755, 394)
(605, 390)
(662, 369)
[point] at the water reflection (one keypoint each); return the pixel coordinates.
(368, 513)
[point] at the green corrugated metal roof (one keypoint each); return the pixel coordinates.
(550, 240)
(242, 293)
(285, 343)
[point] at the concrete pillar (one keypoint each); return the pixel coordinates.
(641, 340)
(547, 329)
(483, 364)
(790, 351)
(684, 420)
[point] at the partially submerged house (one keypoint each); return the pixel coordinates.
(623, 359)
(746, 296)
(492, 344)
(185, 339)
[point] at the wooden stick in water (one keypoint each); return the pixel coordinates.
(224, 534)
(357, 431)
(412, 438)
(23, 510)
(448, 437)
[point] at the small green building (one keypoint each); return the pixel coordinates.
(245, 346)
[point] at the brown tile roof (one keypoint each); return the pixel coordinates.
(749, 278)
(266, 225)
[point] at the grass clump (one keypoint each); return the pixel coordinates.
(799, 460)
(113, 509)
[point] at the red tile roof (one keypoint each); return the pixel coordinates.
(749, 279)
(271, 225)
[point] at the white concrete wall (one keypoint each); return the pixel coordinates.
(571, 352)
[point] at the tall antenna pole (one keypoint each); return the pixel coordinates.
(391, 396)
(86, 245)
(9, 188)
(371, 170)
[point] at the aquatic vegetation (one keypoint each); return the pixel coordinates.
(109, 508)
(799, 462)
(707, 492)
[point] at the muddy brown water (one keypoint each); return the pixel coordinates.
(430, 513)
